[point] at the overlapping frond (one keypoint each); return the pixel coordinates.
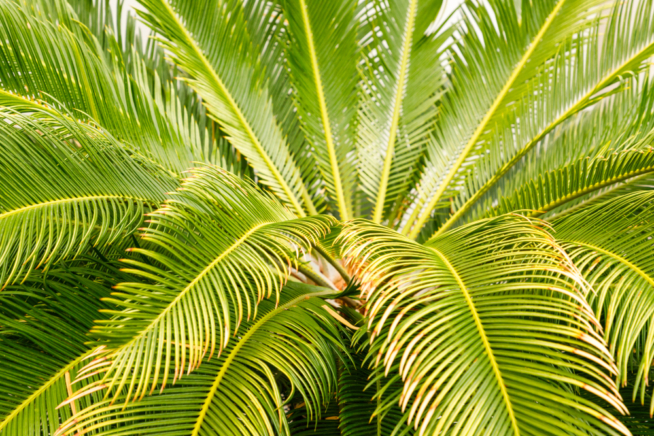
(593, 150)
(223, 246)
(322, 57)
(402, 82)
(618, 264)
(66, 186)
(575, 67)
(554, 188)
(43, 326)
(43, 65)
(327, 425)
(238, 393)
(487, 327)
(209, 41)
(268, 29)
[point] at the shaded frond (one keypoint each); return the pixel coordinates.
(43, 326)
(65, 186)
(368, 401)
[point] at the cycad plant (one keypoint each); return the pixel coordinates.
(326, 217)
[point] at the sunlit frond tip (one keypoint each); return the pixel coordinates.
(487, 327)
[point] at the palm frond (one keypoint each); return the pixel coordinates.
(45, 66)
(65, 186)
(590, 148)
(225, 71)
(491, 332)
(555, 188)
(223, 246)
(322, 57)
(300, 423)
(403, 78)
(43, 326)
(618, 265)
(576, 67)
(238, 393)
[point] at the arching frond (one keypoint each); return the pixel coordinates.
(573, 66)
(268, 29)
(594, 150)
(224, 70)
(43, 65)
(403, 78)
(65, 186)
(489, 329)
(43, 326)
(238, 393)
(618, 264)
(322, 56)
(555, 188)
(223, 246)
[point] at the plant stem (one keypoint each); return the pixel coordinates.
(318, 278)
(333, 262)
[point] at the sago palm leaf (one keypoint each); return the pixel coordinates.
(573, 69)
(617, 263)
(403, 78)
(366, 408)
(44, 66)
(209, 41)
(322, 56)
(223, 246)
(65, 186)
(327, 425)
(593, 150)
(555, 188)
(43, 326)
(237, 393)
(487, 327)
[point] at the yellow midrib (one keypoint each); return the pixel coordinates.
(324, 115)
(466, 206)
(197, 278)
(397, 108)
(613, 255)
(236, 349)
(71, 200)
(42, 389)
(589, 189)
(484, 338)
(241, 117)
(479, 130)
